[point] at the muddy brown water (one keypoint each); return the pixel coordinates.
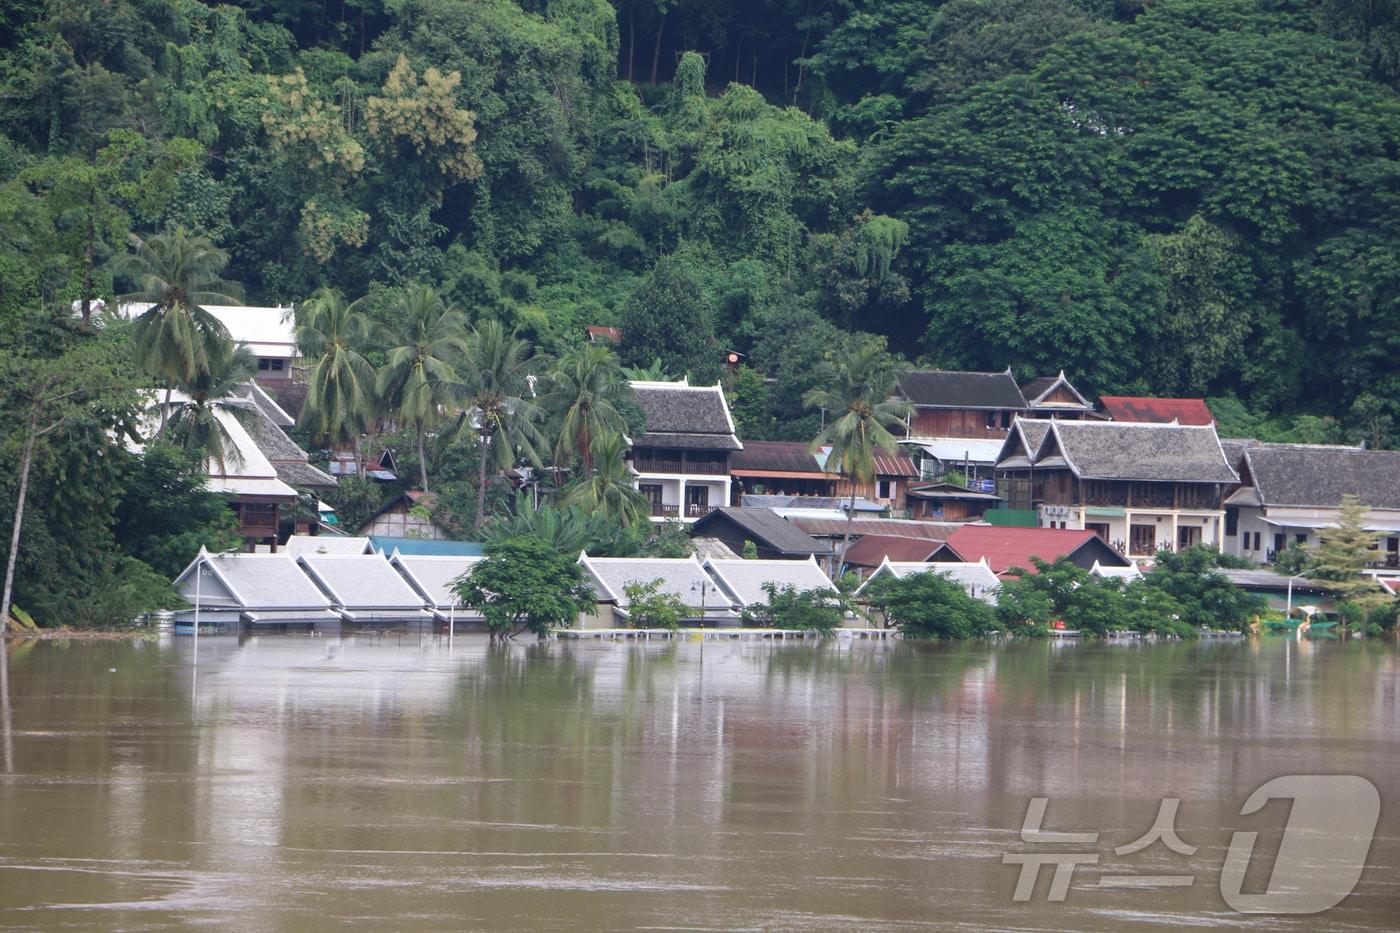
(389, 783)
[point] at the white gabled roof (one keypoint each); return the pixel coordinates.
(743, 580)
(363, 583)
(253, 582)
(682, 577)
(1130, 572)
(431, 576)
(976, 577)
(298, 545)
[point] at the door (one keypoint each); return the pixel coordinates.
(697, 500)
(1142, 539)
(652, 492)
(1186, 536)
(1098, 528)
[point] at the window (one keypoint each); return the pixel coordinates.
(1232, 523)
(1098, 528)
(1006, 419)
(1280, 542)
(993, 419)
(884, 489)
(1301, 538)
(265, 365)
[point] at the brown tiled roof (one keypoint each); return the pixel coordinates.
(947, 389)
(776, 457)
(871, 550)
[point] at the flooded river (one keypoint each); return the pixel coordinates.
(296, 783)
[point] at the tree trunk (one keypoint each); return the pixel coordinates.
(422, 462)
(5, 727)
(165, 409)
(586, 450)
(631, 41)
(87, 257)
(801, 66)
(656, 49)
(25, 461)
(481, 487)
(846, 539)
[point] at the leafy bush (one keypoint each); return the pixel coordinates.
(647, 607)
(930, 605)
(524, 584)
(818, 610)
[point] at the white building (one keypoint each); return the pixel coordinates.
(1288, 492)
(682, 459)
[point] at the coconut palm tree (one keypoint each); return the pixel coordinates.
(419, 380)
(176, 274)
(610, 489)
(340, 394)
(217, 390)
(496, 394)
(857, 390)
(583, 388)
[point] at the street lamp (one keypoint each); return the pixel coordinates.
(701, 586)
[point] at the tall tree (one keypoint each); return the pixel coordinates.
(668, 318)
(419, 380)
(856, 390)
(1345, 550)
(48, 396)
(340, 396)
(216, 392)
(176, 274)
(609, 489)
(496, 394)
(584, 387)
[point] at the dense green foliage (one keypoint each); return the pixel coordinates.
(787, 607)
(1181, 594)
(1193, 196)
(931, 605)
(523, 584)
(648, 607)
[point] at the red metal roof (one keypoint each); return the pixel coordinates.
(871, 550)
(1005, 546)
(895, 466)
(1157, 410)
(603, 332)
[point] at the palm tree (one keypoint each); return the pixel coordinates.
(609, 489)
(857, 390)
(215, 391)
(176, 274)
(583, 388)
(340, 394)
(495, 392)
(419, 380)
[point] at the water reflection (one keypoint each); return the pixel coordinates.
(394, 781)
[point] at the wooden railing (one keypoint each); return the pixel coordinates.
(664, 510)
(657, 465)
(696, 510)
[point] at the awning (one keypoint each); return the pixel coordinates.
(1018, 462)
(1318, 523)
(960, 449)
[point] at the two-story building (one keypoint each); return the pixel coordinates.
(1140, 487)
(1289, 492)
(682, 459)
(961, 419)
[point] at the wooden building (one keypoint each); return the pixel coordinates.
(682, 459)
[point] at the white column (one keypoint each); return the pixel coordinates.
(680, 500)
(1175, 531)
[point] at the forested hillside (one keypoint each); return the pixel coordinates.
(1187, 197)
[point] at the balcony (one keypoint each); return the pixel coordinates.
(665, 510)
(659, 465)
(698, 510)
